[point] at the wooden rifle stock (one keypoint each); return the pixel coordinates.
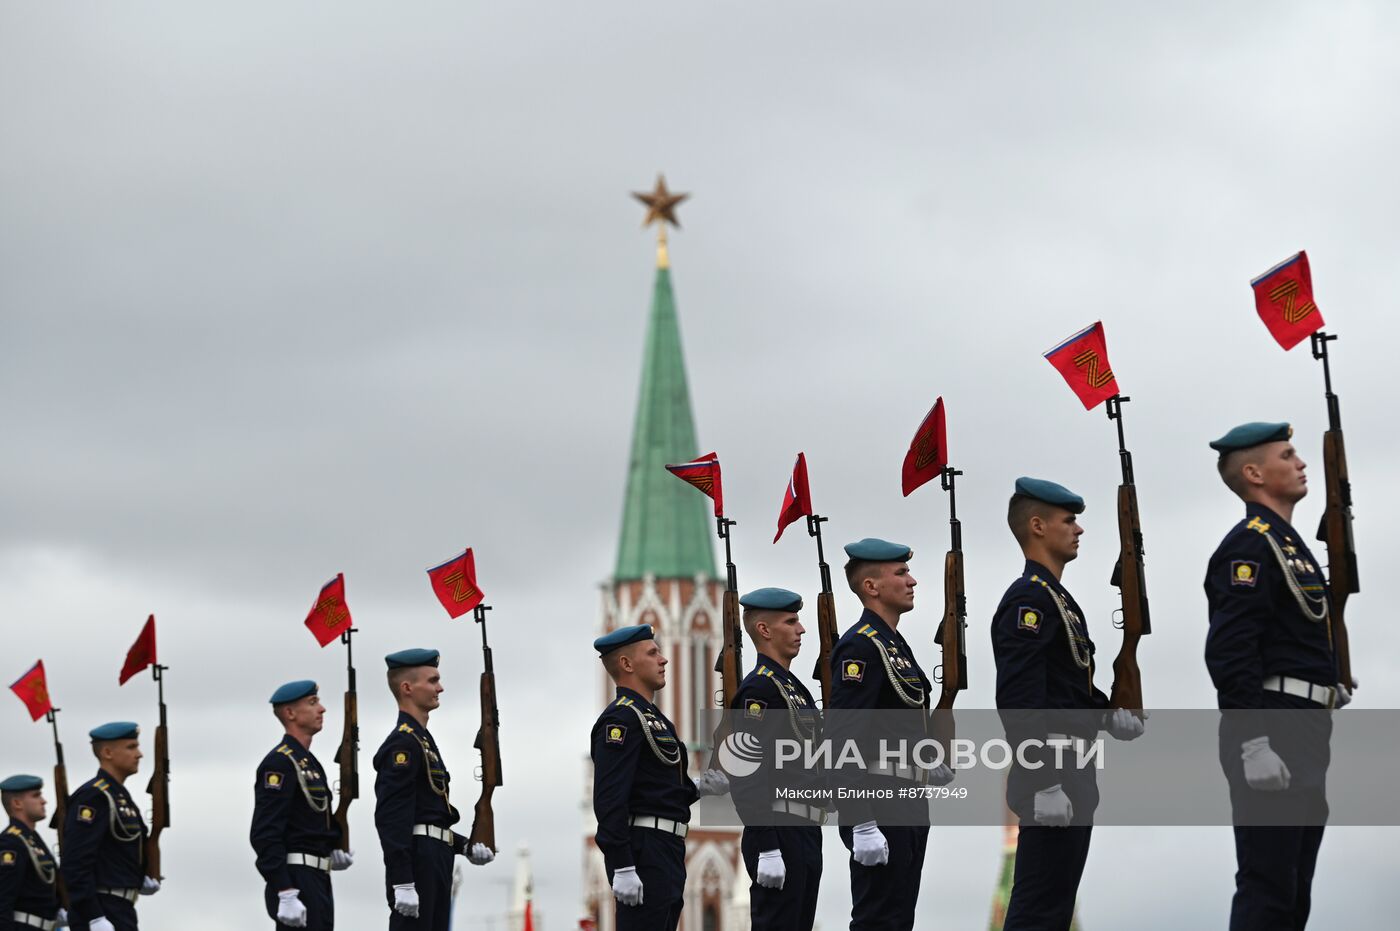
(159, 789)
(489, 743)
(347, 756)
(1341, 547)
(1129, 577)
(952, 632)
(827, 634)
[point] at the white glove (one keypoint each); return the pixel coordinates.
(1263, 768)
(868, 845)
(1344, 693)
(62, 920)
(406, 900)
(290, 911)
(712, 782)
(1122, 724)
(627, 886)
(149, 886)
(100, 924)
(342, 859)
(1053, 807)
(772, 873)
(940, 775)
(480, 854)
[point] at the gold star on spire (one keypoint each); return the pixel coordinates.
(661, 209)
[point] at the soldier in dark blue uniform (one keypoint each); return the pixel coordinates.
(104, 838)
(642, 792)
(782, 842)
(28, 892)
(412, 812)
(1045, 690)
(873, 667)
(292, 833)
(1270, 647)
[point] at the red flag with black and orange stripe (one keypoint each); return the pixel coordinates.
(329, 616)
(1283, 296)
(454, 583)
(703, 473)
(1083, 361)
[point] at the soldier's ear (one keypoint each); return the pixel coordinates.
(1036, 525)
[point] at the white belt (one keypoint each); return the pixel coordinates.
(1324, 695)
(309, 859)
(436, 833)
(809, 812)
(911, 773)
(1080, 744)
(34, 921)
(660, 824)
(131, 895)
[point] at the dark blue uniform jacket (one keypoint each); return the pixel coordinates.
(410, 787)
(291, 811)
(104, 841)
(27, 872)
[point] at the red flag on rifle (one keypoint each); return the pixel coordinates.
(33, 689)
(797, 500)
(703, 473)
(330, 615)
(1283, 296)
(928, 451)
(142, 652)
(454, 582)
(1083, 361)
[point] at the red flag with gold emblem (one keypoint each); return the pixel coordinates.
(928, 451)
(142, 652)
(330, 615)
(1083, 361)
(454, 583)
(33, 689)
(797, 500)
(703, 473)
(1284, 298)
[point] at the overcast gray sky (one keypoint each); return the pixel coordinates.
(293, 289)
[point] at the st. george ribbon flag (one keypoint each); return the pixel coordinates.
(1283, 295)
(454, 583)
(1083, 361)
(928, 451)
(703, 473)
(329, 616)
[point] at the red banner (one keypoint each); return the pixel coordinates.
(33, 689)
(1083, 361)
(330, 615)
(454, 583)
(928, 451)
(142, 652)
(1283, 296)
(703, 473)
(797, 500)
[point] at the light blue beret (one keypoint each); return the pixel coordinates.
(772, 599)
(293, 691)
(21, 784)
(1050, 493)
(1251, 434)
(874, 550)
(117, 730)
(623, 636)
(406, 658)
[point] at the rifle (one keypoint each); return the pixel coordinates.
(159, 786)
(1129, 578)
(1335, 528)
(729, 663)
(60, 802)
(952, 633)
(826, 614)
(348, 753)
(488, 741)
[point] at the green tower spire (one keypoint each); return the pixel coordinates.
(665, 523)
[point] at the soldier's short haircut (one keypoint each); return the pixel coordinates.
(1231, 466)
(1019, 511)
(858, 570)
(400, 675)
(612, 661)
(6, 800)
(751, 618)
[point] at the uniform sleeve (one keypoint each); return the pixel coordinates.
(857, 677)
(12, 869)
(397, 769)
(761, 712)
(272, 805)
(1238, 582)
(615, 757)
(83, 830)
(1026, 624)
